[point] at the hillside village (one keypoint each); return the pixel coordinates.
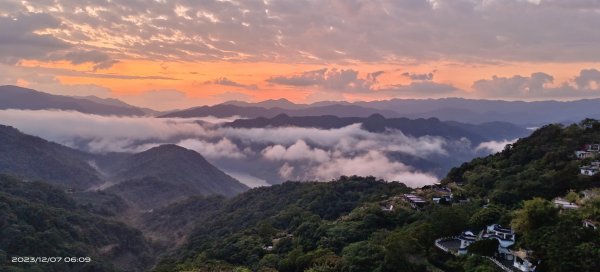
(506, 256)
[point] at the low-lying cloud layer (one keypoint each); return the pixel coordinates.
(273, 154)
(494, 146)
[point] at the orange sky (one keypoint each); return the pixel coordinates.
(191, 77)
(165, 54)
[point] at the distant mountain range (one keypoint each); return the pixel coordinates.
(13, 97)
(149, 179)
(446, 109)
(227, 110)
(378, 123)
(463, 110)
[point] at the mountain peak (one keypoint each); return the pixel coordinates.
(179, 171)
(376, 116)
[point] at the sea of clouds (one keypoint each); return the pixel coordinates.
(253, 155)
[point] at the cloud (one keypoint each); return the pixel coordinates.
(99, 59)
(345, 80)
(286, 171)
(227, 82)
(248, 180)
(348, 81)
(274, 154)
(224, 148)
(588, 79)
(375, 164)
(19, 39)
(494, 146)
(540, 85)
(99, 133)
(323, 31)
(298, 151)
(411, 76)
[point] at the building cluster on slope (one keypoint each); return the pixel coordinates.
(506, 239)
(431, 194)
(589, 151)
(591, 169)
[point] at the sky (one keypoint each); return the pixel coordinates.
(168, 54)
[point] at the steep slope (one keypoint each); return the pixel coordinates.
(541, 165)
(306, 222)
(33, 158)
(14, 97)
(39, 220)
(167, 173)
(171, 225)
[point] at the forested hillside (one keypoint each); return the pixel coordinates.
(34, 158)
(39, 220)
(347, 225)
(543, 165)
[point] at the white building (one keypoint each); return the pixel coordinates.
(505, 236)
(592, 147)
(588, 171)
(564, 204)
(582, 154)
(466, 239)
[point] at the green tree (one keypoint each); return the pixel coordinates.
(363, 256)
(535, 213)
(487, 247)
(486, 216)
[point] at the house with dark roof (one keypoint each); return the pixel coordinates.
(416, 202)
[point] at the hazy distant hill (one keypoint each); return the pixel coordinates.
(479, 110)
(377, 123)
(117, 103)
(281, 103)
(13, 97)
(41, 220)
(446, 109)
(227, 110)
(167, 173)
(34, 158)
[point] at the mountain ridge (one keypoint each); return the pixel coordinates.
(15, 97)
